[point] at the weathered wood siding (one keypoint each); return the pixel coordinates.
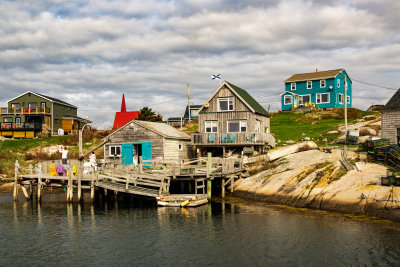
(135, 133)
(172, 152)
(390, 123)
(240, 112)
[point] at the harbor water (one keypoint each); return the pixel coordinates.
(234, 232)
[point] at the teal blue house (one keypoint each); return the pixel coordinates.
(322, 89)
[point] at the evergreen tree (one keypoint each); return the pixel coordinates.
(146, 114)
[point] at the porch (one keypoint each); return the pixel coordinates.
(233, 139)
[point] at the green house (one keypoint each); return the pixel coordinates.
(31, 113)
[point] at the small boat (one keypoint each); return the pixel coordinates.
(182, 200)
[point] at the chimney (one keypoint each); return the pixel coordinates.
(316, 70)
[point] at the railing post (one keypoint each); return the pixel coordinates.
(92, 185)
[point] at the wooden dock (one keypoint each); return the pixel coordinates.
(154, 183)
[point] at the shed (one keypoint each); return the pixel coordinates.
(152, 140)
(391, 119)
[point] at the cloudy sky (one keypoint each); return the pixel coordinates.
(90, 52)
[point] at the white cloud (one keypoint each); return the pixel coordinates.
(90, 52)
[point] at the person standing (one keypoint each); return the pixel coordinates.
(64, 155)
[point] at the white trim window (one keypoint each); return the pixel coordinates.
(225, 104)
(115, 151)
(323, 98)
(293, 86)
(338, 83)
(257, 127)
(340, 98)
(348, 99)
(322, 83)
(211, 126)
(287, 100)
(237, 126)
(309, 84)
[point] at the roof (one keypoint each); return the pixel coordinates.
(186, 115)
(393, 103)
(122, 118)
(160, 128)
(317, 75)
(289, 92)
(49, 98)
(249, 99)
(174, 119)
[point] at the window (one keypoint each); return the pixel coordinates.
(8, 120)
(323, 98)
(304, 99)
(348, 99)
(193, 113)
(43, 104)
(237, 126)
(309, 84)
(322, 83)
(115, 151)
(338, 83)
(225, 104)
(18, 120)
(180, 147)
(15, 105)
(211, 126)
(293, 86)
(266, 129)
(32, 105)
(340, 98)
(288, 100)
(257, 128)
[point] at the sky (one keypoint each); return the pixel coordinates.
(88, 53)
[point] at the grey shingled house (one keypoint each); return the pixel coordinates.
(391, 119)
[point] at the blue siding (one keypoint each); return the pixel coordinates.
(301, 89)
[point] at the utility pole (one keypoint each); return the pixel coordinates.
(345, 117)
(188, 102)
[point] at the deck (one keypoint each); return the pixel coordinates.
(233, 139)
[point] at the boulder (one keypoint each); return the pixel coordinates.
(307, 138)
(367, 131)
(332, 132)
(290, 142)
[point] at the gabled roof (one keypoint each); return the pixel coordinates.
(122, 118)
(314, 75)
(49, 98)
(242, 94)
(393, 103)
(159, 128)
(289, 92)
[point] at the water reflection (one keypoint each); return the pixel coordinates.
(134, 231)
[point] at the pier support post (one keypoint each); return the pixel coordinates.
(92, 185)
(39, 188)
(25, 192)
(70, 192)
(209, 169)
(80, 176)
(223, 188)
(15, 193)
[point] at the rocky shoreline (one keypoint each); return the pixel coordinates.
(313, 179)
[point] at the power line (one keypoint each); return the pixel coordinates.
(370, 84)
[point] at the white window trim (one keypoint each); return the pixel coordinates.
(340, 102)
(240, 126)
(320, 83)
(320, 98)
(301, 96)
(348, 99)
(205, 126)
(109, 151)
(310, 84)
(284, 100)
(226, 98)
(291, 86)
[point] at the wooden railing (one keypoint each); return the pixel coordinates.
(20, 126)
(233, 139)
(27, 111)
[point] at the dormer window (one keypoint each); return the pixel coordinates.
(293, 86)
(322, 83)
(309, 84)
(225, 104)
